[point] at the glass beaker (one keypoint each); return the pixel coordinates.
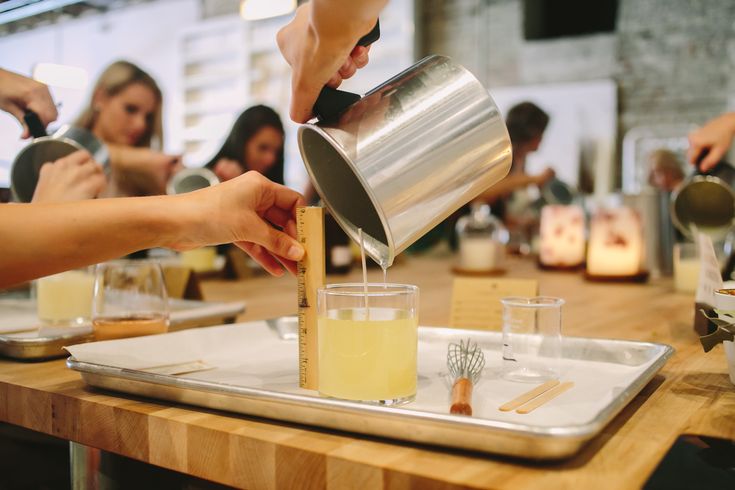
(531, 338)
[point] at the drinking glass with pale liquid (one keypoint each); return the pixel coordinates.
(368, 342)
(65, 299)
(130, 299)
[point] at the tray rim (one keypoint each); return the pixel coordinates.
(11, 347)
(578, 432)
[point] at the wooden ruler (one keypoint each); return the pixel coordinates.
(311, 276)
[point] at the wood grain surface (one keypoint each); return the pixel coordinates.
(692, 394)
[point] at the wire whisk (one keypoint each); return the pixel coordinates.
(465, 362)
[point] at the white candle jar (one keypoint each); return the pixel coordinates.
(616, 244)
(482, 241)
(562, 235)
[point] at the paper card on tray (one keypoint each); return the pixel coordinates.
(710, 277)
(476, 301)
(180, 368)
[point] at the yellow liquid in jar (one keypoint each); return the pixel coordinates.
(65, 297)
(368, 359)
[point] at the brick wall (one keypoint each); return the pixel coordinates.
(674, 60)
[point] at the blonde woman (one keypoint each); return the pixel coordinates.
(125, 112)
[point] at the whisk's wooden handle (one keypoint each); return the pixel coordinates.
(462, 397)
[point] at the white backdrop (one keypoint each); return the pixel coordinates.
(583, 116)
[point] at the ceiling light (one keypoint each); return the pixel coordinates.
(64, 76)
(265, 9)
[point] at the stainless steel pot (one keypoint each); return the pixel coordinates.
(191, 179)
(658, 232)
(404, 157)
(706, 202)
(45, 149)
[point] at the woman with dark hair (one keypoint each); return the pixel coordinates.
(255, 143)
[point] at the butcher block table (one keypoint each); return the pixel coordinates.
(692, 394)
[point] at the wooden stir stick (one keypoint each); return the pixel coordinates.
(531, 400)
(546, 397)
(528, 396)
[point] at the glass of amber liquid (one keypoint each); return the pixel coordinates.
(130, 299)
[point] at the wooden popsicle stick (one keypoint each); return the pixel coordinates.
(528, 396)
(462, 397)
(544, 398)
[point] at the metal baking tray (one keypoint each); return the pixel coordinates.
(253, 371)
(48, 343)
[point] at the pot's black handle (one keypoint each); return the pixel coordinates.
(332, 102)
(713, 171)
(35, 126)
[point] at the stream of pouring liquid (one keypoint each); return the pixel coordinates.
(364, 272)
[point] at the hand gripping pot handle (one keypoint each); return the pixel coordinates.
(35, 126)
(332, 102)
(408, 154)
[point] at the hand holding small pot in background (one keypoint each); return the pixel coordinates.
(711, 142)
(75, 177)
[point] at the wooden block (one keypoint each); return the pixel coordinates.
(476, 301)
(343, 474)
(168, 443)
(66, 421)
(207, 452)
(300, 469)
(3, 402)
(29, 408)
(398, 481)
(253, 463)
(119, 428)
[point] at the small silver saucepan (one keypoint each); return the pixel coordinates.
(705, 202)
(46, 149)
(191, 179)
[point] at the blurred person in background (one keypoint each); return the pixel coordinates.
(511, 199)
(255, 142)
(665, 171)
(125, 112)
(712, 141)
(526, 124)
